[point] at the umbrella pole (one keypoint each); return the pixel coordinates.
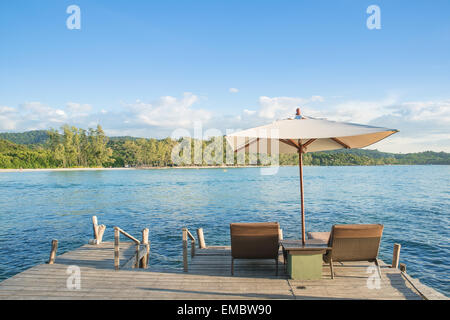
(300, 165)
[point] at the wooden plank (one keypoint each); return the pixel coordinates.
(208, 278)
(426, 292)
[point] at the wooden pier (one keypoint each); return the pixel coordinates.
(208, 277)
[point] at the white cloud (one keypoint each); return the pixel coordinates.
(233, 90)
(360, 111)
(6, 110)
(403, 143)
(7, 118)
(168, 112)
(423, 125)
(249, 112)
(272, 108)
(317, 99)
(78, 107)
(40, 116)
(438, 111)
(284, 107)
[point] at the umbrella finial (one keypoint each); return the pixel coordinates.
(298, 114)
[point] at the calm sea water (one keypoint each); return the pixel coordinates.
(412, 202)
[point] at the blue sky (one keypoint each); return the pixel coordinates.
(148, 67)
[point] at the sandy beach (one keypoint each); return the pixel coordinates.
(133, 168)
(62, 169)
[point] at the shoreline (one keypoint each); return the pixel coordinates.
(135, 168)
(194, 167)
(61, 169)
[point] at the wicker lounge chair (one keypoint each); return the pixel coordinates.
(351, 242)
(254, 241)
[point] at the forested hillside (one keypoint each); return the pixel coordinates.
(73, 147)
(29, 137)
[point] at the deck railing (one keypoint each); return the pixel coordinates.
(141, 257)
(201, 245)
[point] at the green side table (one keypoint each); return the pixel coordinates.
(304, 262)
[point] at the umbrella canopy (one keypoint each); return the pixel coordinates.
(305, 134)
(318, 134)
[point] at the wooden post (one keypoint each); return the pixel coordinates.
(136, 264)
(192, 243)
(116, 248)
(192, 247)
(95, 226)
(396, 255)
(185, 254)
(201, 238)
(145, 259)
(100, 231)
(53, 251)
(402, 267)
(300, 165)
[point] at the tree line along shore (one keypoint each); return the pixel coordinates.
(72, 147)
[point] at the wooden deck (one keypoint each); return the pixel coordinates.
(208, 278)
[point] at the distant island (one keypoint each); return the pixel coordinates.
(78, 148)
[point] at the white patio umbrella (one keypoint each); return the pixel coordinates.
(305, 134)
